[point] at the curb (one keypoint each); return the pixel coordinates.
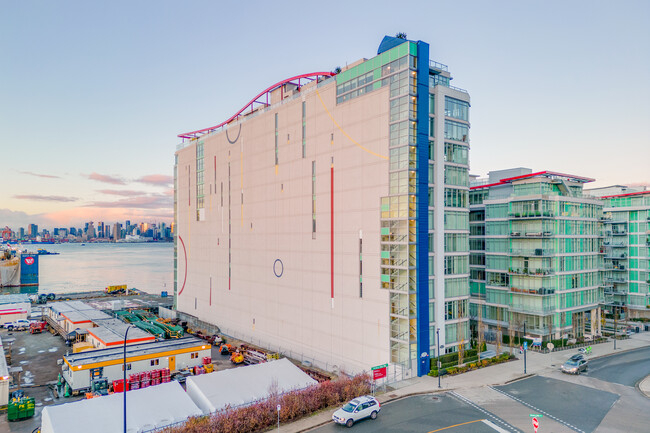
(638, 386)
(525, 376)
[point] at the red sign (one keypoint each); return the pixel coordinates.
(535, 424)
(379, 373)
(29, 260)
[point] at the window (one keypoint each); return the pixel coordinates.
(313, 199)
(455, 197)
(276, 138)
(457, 153)
(194, 355)
(456, 108)
(128, 366)
(456, 131)
(154, 362)
(456, 176)
(304, 126)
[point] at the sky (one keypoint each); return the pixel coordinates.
(94, 94)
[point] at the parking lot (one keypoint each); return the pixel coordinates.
(36, 355)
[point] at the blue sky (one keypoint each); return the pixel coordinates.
(93, 94)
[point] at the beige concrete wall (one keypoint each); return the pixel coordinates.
(293, 312)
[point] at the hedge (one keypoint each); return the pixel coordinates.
(294, 405)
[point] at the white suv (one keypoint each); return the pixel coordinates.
(357, 409)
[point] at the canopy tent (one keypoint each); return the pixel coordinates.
(241, 386)
(147, 408)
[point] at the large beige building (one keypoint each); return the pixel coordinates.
(317, 218)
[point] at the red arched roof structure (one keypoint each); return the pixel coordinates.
(310, 76)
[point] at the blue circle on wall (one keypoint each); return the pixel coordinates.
(278, 268)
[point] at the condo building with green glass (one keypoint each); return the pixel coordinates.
(329, 216)
(534, 256)
(626, 242)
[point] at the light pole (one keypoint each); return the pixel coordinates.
(438, 355)
(525, 348)
(126, 333)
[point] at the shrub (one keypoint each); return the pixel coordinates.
(261, 415)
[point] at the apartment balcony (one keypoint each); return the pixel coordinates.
(538, 272)
(616, 233)
(619, 268)
(615, 280)
(532, 215)
(539, 252)
(611, 221)
(536, 310)
(615, 256)
(530, 234)
(540, 291)
(611, 244)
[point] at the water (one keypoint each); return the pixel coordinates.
(145, 266)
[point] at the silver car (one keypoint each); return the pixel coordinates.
(366, 406)
(574, 366)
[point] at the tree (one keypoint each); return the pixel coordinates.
(401, 35)
(337, 70)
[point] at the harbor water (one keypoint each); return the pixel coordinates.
(145, 266)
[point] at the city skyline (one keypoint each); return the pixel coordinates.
(92, 137)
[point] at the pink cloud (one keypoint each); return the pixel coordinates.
(46, 198)
(157, 201)
(49, 176)
(156, 179)
(79, 215)
(125, 193)
(106, 179)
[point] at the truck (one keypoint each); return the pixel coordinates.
(17, 325)
(114, 290)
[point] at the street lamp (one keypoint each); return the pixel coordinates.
(126, 333)
(438, 355)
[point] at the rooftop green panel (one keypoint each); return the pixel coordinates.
(403, 50)
(413, 49)
(376, 74)
(394, 54)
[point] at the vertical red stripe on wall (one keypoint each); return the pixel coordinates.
(332, 230)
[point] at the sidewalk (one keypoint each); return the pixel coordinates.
(536, 363)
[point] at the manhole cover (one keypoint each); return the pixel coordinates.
(392, 395)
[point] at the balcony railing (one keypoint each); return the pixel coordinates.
(540, 252)
(540, 291)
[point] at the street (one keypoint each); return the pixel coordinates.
(604, 399)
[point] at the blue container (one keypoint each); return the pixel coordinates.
(29, 270)
(163, 294)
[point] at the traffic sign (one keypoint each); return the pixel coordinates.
(536, 415)
(535, 424)
(379, 373)
(525, 345)
(379, 366)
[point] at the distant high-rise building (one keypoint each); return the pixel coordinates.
(117, 231)
(90, 230)
(73, 231)
(22, 232)
(33, 230)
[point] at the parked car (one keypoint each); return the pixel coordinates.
(574, 367)
(366, 406)
(17, 324)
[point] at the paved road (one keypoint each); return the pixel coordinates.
(626, 368)
(426, 414)
(563, 401)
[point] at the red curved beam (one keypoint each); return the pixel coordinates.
(185, 256)
(193, 134)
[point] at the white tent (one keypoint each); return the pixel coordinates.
(147, 408)
(244, 385)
